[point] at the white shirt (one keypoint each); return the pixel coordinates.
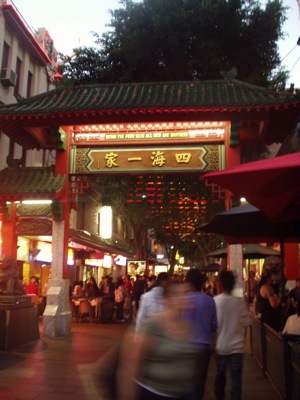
(232, 317)
(292, 326)
(150, 303)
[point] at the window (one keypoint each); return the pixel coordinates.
(18, 72)
(29, 84)
(5, 56)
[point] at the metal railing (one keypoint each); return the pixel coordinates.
(278, 356)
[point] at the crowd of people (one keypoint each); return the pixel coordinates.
(181, 321)
(179, 326)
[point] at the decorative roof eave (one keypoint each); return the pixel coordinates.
(141, 102)
(25, 34)
(21, 129)
(30, 183)
(73, 117)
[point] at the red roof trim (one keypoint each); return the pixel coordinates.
(144, 111)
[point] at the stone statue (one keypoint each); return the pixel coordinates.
(10, 283)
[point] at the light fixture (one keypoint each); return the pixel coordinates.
(37, 201)
(106, 222)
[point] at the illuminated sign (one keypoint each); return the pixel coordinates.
(171, 159)
(192, 131)
(93, 262)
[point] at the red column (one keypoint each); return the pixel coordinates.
(232, 156)
(291, 262)
(62, 168)
(8, 232)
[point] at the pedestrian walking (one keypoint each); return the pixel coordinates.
(201, 315)
(233, 317)
(160, 364)
(152, 301)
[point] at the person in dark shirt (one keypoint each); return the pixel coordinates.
(294, 293)
(267, 303)
(139, 287)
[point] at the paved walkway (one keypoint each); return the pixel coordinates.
(80, 366)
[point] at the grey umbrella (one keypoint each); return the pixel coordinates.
(214, 267)
(249, 251)
(248, 224)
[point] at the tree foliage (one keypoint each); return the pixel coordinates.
(169, 40)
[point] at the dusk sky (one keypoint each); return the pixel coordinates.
(70, 23)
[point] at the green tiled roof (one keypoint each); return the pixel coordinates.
(139, 96)
(34, 182)
(130, 102)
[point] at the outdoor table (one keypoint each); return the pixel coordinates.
(95, 303)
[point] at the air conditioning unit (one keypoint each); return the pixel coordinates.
(8, 77)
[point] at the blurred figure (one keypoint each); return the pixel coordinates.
(33, 287)
(120, 295)
(292, 326)
(139, 288)
(294, 293)
(203, 320)
(214, 283)
(150, 282)
(108, 288)
(152, 301)
(233, 317)
(78, 289)
(251, 285)
(161, 363)
(128, 299)
(91, 288)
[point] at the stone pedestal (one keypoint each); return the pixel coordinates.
(18, 321)
(57, 317)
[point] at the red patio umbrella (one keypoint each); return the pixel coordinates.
(272, 185)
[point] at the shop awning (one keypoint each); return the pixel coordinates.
(92, 241)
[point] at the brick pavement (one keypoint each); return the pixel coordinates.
(81, 366)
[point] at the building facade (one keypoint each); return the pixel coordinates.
(27, 62)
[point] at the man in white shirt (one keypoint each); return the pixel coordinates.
(152, 302)
(232, 317)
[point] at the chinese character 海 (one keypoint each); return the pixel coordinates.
(111, 160)
(158, 158)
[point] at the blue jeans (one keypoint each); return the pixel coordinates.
(201, 368)
(235, 364)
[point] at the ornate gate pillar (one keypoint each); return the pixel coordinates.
(57, 316)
